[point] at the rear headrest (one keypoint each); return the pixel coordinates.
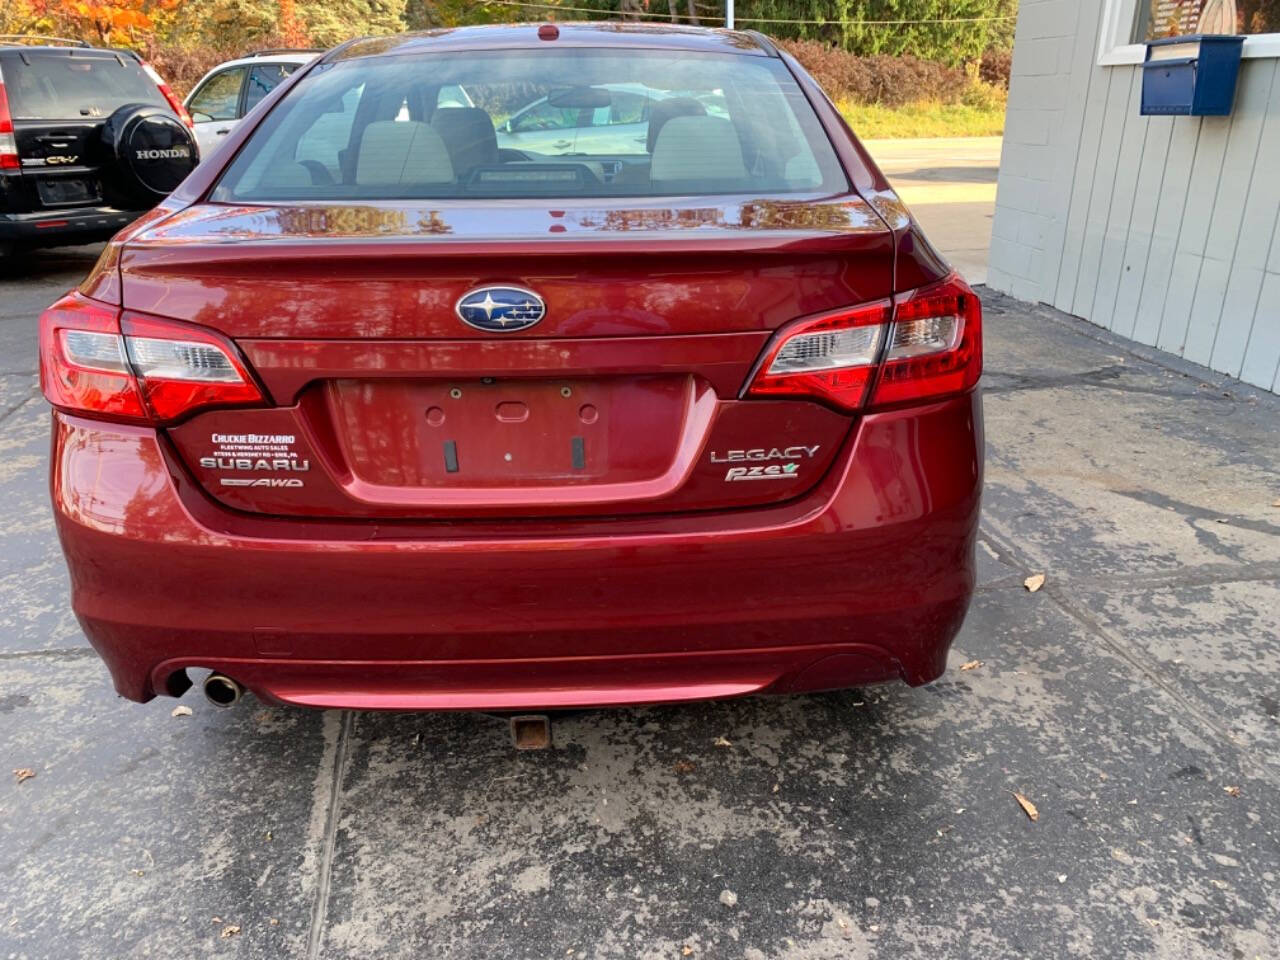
(468, 134)
(402, 151)
(660, 111)
(697, 148)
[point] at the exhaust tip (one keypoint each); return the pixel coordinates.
(221, 690)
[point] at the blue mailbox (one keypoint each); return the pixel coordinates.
(1191, 76)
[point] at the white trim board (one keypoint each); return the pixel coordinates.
(1115, 47)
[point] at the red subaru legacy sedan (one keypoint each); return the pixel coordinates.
(522, 367)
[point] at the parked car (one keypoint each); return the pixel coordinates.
(373, 413)
(89, 140)
(613, 120)
(230, 90)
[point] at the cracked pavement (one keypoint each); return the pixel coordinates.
(1123, 699)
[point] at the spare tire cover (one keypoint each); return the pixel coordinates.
(150, 152)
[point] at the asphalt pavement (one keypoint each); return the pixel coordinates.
(1133, 701)
(950, 185)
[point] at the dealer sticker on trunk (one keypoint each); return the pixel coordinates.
(256, 453)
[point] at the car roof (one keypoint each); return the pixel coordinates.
(592, 34)
(280, 56)
(18, 49)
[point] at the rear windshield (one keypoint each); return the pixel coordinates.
(68, 87)
(547, 124)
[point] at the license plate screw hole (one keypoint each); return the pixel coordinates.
(566, 392)
(455, 393)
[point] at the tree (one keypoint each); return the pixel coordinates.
(946, 31)
(117, 22)
(328, 22)
(427, 14)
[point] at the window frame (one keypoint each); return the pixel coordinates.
(1116, 46)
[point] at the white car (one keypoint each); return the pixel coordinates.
(610, 118)
(230, 90)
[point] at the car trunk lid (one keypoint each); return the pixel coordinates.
(623, 399)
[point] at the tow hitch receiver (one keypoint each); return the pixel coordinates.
(531, 732)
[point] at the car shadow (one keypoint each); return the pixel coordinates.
(49, 263)
(958, 174)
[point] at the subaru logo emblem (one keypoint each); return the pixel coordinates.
(501, 309)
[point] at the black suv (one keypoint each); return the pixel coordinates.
(89, 140)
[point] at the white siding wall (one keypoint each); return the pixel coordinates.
(1162, 229)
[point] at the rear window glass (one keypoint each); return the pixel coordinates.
(63, 87)
(563, 124)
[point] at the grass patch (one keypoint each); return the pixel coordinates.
(873, 121)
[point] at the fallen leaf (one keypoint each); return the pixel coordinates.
(181, 711)
(273, 921)
(1222, 520)
(1062, 878)
(1276, 503)
(1034, 582)
(723, 742)
(777, 787)
(230, 930)
(685, 766)
(215, 919)
(1028, 807)
(1232, 791)
(971, 665)
(24, 773)
(686, 951)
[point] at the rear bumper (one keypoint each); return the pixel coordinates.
(52, 227)
(865, 580)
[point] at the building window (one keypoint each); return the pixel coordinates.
(1173, 18)
(1127, 25)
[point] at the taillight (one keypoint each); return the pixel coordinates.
(83, 367)
(927, 345)
(8, 144)
(936, 346)
(94, 361)
(182, 368)
(831, 356)
(170, 97)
